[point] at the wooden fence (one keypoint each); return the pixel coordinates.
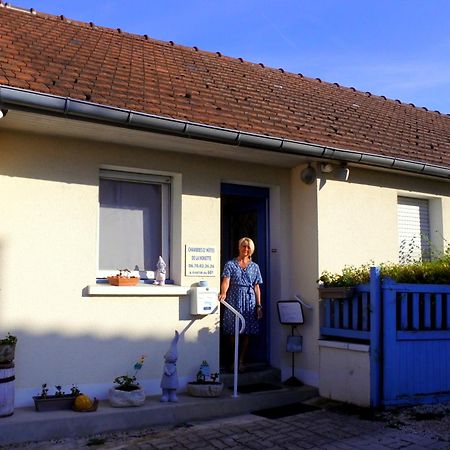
(408, 329)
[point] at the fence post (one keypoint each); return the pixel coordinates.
(375, 337)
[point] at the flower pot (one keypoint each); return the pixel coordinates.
(119, 398)
(205, 389)
(53, 403)
(336, 292)
(7, 352)
(7, 389)
(123, 281)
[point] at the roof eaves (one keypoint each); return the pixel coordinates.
(16, 98)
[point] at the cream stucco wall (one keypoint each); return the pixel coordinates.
(345, 372)
(336, 223)
(48, 258)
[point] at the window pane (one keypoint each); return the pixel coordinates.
(130, 225)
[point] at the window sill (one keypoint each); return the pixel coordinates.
(141, 290)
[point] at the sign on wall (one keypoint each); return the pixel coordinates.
(201, 260)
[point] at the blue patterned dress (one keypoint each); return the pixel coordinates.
(241, 295)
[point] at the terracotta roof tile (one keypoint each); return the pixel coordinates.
(60, 56)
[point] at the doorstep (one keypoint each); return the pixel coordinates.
(27, 425)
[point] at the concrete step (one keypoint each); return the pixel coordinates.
(252, 375)
(28, 425)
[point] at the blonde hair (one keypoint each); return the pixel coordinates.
(247, 240)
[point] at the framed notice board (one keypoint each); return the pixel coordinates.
(290, 312)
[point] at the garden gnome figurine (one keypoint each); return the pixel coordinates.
(160, 276)
(169, 380)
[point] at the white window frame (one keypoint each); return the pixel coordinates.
(165, 181)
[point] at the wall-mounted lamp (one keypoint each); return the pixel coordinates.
(3, 113)
(339, 172)
(308, 175)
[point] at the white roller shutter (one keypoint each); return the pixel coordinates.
(413, 229)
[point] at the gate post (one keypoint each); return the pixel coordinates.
(375, 337)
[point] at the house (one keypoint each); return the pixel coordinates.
(188, 151)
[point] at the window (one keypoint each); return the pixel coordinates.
(413, 229)
(134, 222)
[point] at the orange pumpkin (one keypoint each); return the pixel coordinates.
(82, 403)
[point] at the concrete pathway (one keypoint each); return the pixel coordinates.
(331, 427)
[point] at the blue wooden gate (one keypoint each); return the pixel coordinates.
(408, 329)
(416, 343)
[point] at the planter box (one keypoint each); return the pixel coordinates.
(119, 398)
(207, 389)
(336, 292)
(53, 403)
(123, 281)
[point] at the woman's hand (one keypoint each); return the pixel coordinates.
(259, 312)
(258, 302)
(224, 289)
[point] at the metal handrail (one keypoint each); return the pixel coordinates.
(237, 316)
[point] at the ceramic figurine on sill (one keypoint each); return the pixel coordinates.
(169, 380)
(160, 275)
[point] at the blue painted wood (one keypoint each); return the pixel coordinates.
(352, 314)
(389, 382)
(416, 348)
(408, 328)
(343, 333)
(448, 310)
(423, 335)
(375, 337)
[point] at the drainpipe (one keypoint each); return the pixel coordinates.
(21, 99)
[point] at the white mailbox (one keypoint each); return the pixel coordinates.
(203, 300)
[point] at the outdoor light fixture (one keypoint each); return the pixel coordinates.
(3, 113)
(337, 172)
(327, 167)
(308, 175)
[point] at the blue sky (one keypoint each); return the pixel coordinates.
(396, 48)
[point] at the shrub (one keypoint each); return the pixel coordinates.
(436, 271)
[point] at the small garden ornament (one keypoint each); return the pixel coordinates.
(160, 275)
(169, 380)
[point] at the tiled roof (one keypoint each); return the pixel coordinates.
(55, 55)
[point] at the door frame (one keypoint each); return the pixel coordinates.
(262, 244)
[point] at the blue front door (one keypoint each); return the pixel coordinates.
(244, 212)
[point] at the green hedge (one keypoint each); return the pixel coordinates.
(436, 271)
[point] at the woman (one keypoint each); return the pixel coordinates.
(240, 288)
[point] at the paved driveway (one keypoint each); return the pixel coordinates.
(333, 426)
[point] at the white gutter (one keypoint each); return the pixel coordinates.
(21, 99)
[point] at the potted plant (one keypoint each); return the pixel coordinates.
(123, 278)
(57, 401)
(7, 349)
(206, 384)
(341, 285)
(127, 391)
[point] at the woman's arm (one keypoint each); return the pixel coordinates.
(224, 288)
